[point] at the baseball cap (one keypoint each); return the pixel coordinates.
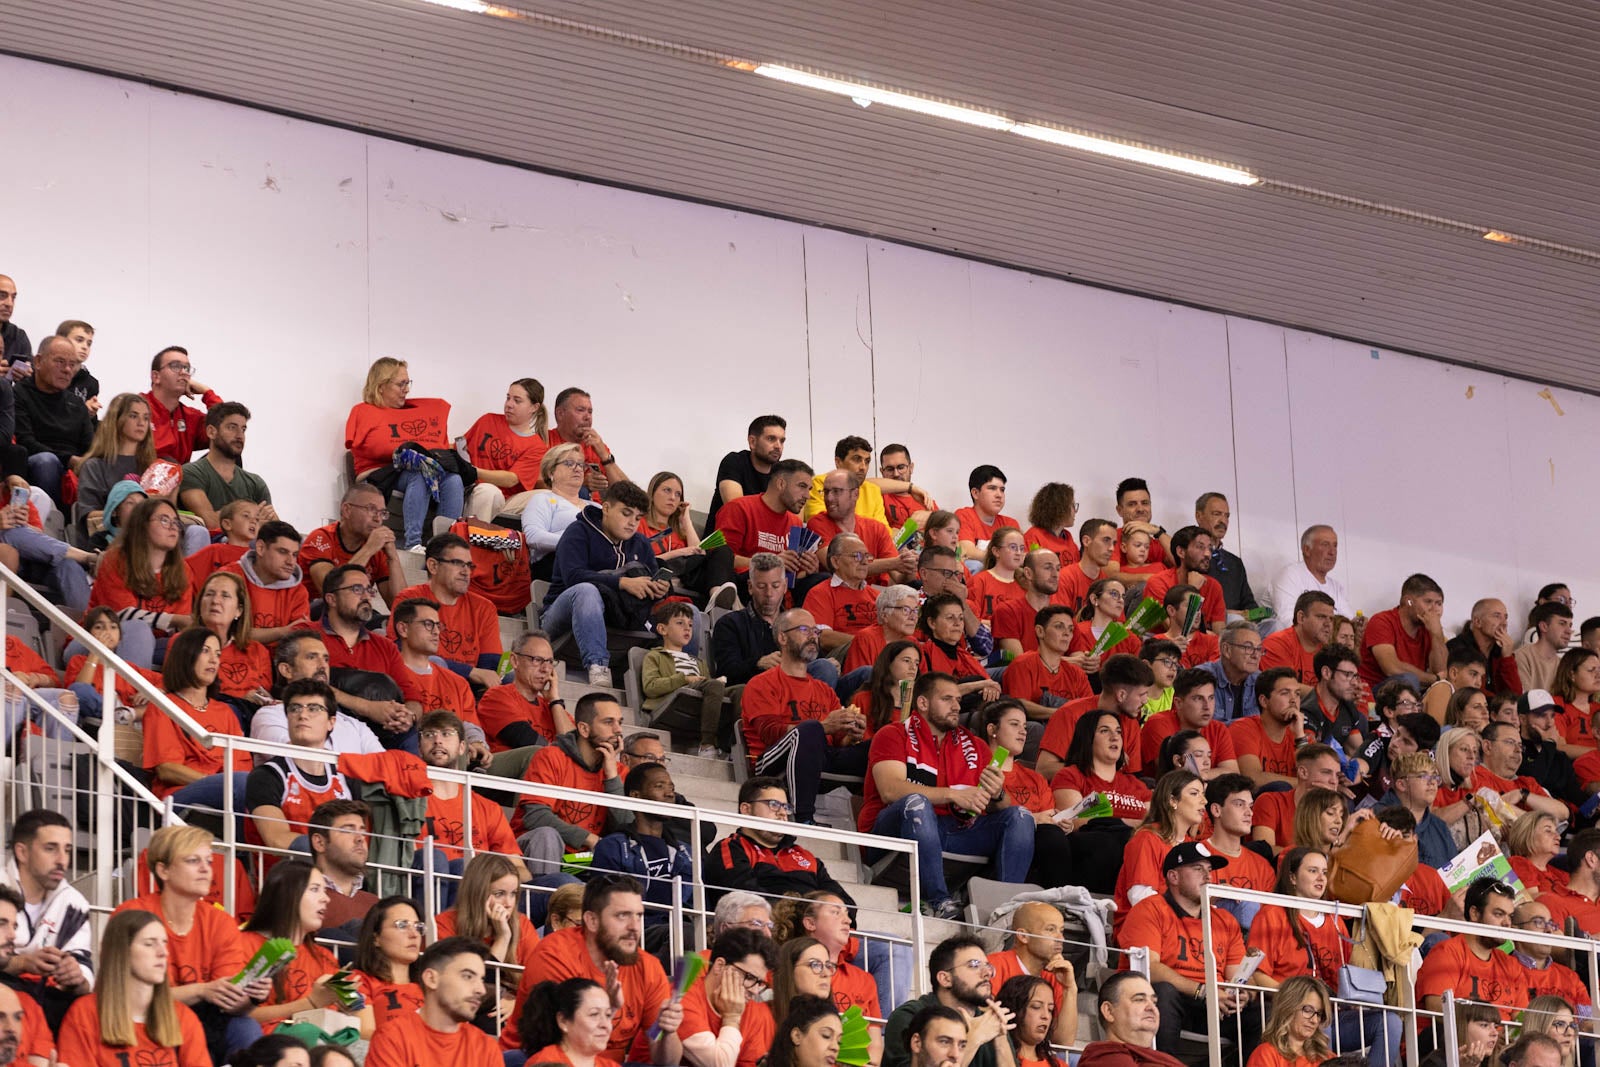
(1188, 852)
(1534, 701)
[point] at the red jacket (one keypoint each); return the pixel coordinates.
(1118, 1054)
(401, 773)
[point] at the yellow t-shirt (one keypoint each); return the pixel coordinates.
(869, 502)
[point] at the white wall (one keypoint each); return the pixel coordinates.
(286, 256)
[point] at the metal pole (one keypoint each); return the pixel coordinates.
(919, 934)
(675, 932)
(430, 895)
(230, 836)
(1213, 1014)
(698, 893)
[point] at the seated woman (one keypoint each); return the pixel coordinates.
(293, 899)
(379, 427)
(85, 673)
(1292, 1035)
(804, 970)
(1177, 811)
(825, 917)
(997, 582)
(389, 943)
(142, 578)
(1052, 521)
(122, 446)
(1575, 687)
(1468, 708)
(1032, 1003)
(1557, 1019)
(1322, 820)
(1458, 754)
(942, 635)
(1102, 606)
(204, 948)
(486, 911)
(897, 607)
(132, 1012)
(184, 769)
(886, 697)
(1186, 750)
(700, 574)
(244, 675)
(568, 1022)
(551, 510)
(1005, 725)
(808, 1034)
(506, 447)
(1532, 841)
(1479, 1035)
(1094, 764)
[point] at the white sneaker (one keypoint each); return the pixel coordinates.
(600, 676)
(725, 595)
(708, 752)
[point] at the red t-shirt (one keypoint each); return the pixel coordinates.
(1452, 965)
(974, 529)
(211, 949)
(1564, 902)
(1027, 788)
(1164, 724)
(372, 433)
(371, 653)
(1007, 965)
(212, 558)
(1285, 958)
(751, 526)
(504, 705)
(1250, 738)
(1283, 649)
(111, 590)
(956, 759)
(1576, 724)
(444, 689)
(243, 670)
(21, 659)
(552, 766)
(645, 987)
(774, 702)
(1083, 640)
(1157, 556)
(1212, 608)
(1179, 940)
(1550, 878)
(1203, 647)
(492, 445)
(1129, 797)
(1385, 628)
(962, 665)
(1014, 618)
(1141, 866)
(388, 999)
(80, 1044)
(124, 688)
(271, 608)
(446, 821)
(1424, 892)
(874, 534)
(1275, 811)
(864, 648)
(839, 607)
(1557, 980)
(897, 508)
(469, 628)
(555, 1053)
(323, 545)
(1028, 678)
(310, 962)
(166, 742)
(407, 1041)
(985, 594)
(756, 1028)
(501, 576)
(1058, 732)
(1063, 546)
(1247, 870)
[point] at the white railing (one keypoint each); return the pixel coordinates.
(1408, 1009)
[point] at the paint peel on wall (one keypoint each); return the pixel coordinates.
(1552, 472)
(1548, 395)
(1470, 391)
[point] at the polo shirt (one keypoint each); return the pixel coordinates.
(371, 653)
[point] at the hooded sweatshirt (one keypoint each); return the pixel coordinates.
(61, 920)
(272, 604)
(586, 555)
(1119, 1054)
(562, 764)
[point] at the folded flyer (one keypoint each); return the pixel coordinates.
(1480, 859)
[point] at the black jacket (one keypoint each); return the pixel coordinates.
(738, 641)
(52, 422)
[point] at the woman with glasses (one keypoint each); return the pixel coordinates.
(1053, 519)
(804, 968)
(1576, 685)
(142, 578)
(1292, 1036)
(377, 432)
(1532, 841)
(389, 943)
(553, 508)
(897, 609)
(567, 1022)
(824, 917)
(725, 1023)
(997, 582)
(1554, 1016)
(1103, 606)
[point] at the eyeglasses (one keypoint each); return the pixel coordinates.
(646, 757)
(753, 983)
(362, 591)
(1407, 705)
(980, 966)
(466, 564)
(1427, 779)
(1313, 1013)
(1538, 923)
(1347, 675)
(908, 609)
(777, 807)
(166, 521)
(407, 925)
(1569, 601)
(804, 631)
(946, 573)
(537, 661)
(1244, 648)
(571, 464)
(374, 510)
(438, 734)
(822, 967)
(305, 709)
(1563, 1026)
(400, 383)
(181, 368)
(859, 557)
(1167, 662)
(766, 926)
(430, 625)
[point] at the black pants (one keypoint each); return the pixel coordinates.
(1052, 857)
(1097, 850)
(701, 574)
(800, 756)
(1180, 1012)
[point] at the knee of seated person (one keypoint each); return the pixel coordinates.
(917, 804)
(811, 730)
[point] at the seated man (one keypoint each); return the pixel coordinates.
(1464, 667)
(469, 627)
(650, 852)
(54, 959)
(1135, 510)
(443, 740)
(745, 473)
(1551, 623)
(416, 621)
(1169, 926)
(1194, 701)
(940, 571)
(337, 835)
(1036, 950)
(217, 478)
(1234, 672)
(1212, 514)
(1330, 707)
(844, 604)
(1501, 772)
(586, 758)
(1472, 965)
(1097, 541)
(528, 710)
(1581, 898)
(52, 423)
(282, 793)
(987, 487)
(176, 428)
(1265, 743)
(1191, 552)
(894, 465)
(353, 647)
(744, 643)
(451, 975)
(767, 862)
(279, 604)
(963, 988)
(359, 538)
(755, 524)
(931, 781)
(720, 1029)
(793, 725)
(1015, 620)
(1319, 554)
(1486, 631)
(604, 576)
(1296, 646)
(303, 655)
(1199, 645)
(885, 563)
(1407, 639)
(1545, 974)
(1315, 767)
(1131, 1018)
(1047, 677)
(853, 455)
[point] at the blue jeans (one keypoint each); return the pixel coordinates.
(414, 507)
(825, 670)
(17, 709)
(1006, 836)
(580, 609)
(207, 793)
(1374, 1029)
(850, 683)
(45, 470)
(890, 966)
(70, 579)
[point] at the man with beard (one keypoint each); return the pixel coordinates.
(1472, 965)
(469, 628)
(937, 1037)
(55, 943)
(451, 976)
(18, 1011)
(1039, 578)
(303, 655)
(1130, 1018)
(216, 478)
(745, 473)
(337, 837)
(416, 626)
(606, 949)
(442, 737)
(961, 976)
(359, 537)
(1191, 552)
(1036, 950)
(353, 647)
(794, 728)
(14, 1027)
(586, 758)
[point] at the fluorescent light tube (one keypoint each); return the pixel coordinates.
(887, 97)
(476, 7)
(1136, 154)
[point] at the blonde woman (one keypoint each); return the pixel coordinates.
(388, 417)
(506, 447)
(1553, 1016)
(1293, 1035)
(552, 509)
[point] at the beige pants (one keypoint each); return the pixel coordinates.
(487, 502)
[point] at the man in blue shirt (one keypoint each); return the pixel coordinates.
(1235, 671)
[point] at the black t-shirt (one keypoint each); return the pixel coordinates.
(735, 467)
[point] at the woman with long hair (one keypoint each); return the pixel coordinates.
(1005, 725)
(825, 917)
(804, 969)
(1177, 811)
(1052, 521)
(191, 773)
(997, 582)
(1480, 1034)
(506, 447)
(486, 911)
(389, 418)
(1575, 687)
(293, 899)
(1186, 750)
(1094, 764)
(567, 1022)
(808, 1034)
(123, 445)
(142, 578)
(886, 698)
(132, 1008)
(1032, 1005)
(390, 941)
(1532, 841)
(274, 1050)
(1554, 1016)
(1319, 820)
(1468, 708)
(244, 674)
(1292, 1036)
(673, 539)
(85, 678)
(553, 508)
(1102, 606)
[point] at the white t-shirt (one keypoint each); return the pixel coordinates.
(349, 733)
(1297, 578)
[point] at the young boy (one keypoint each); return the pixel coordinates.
(83, 385)
(669, 668)
(239, 519)
(1163, 656)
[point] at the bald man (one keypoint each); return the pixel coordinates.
(1487, 632)
(1036, 930)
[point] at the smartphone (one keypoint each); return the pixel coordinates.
(19, 498)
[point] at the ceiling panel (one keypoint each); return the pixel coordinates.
(1482, 112)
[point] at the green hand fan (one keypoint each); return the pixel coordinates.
(853, 1038)
(716, 540)
(1146, 617)
(1115, 634)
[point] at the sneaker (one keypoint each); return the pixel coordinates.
(708, 752)
(419, 549)
(945, 909)
(600, 675)
(725, 595)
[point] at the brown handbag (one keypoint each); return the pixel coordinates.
(1369, 868)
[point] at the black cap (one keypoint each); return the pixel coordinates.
(1189, 852)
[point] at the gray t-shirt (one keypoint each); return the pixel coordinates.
(201, 475)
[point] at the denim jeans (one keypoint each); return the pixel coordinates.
(414, 506)
(17, 709)
(69, 578)
(207, 793)
(1006, 836)
(850, 683)
(890, 966)
(45, 470)
(580, 609)
(1374, 1029)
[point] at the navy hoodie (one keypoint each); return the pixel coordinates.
(586, 554)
